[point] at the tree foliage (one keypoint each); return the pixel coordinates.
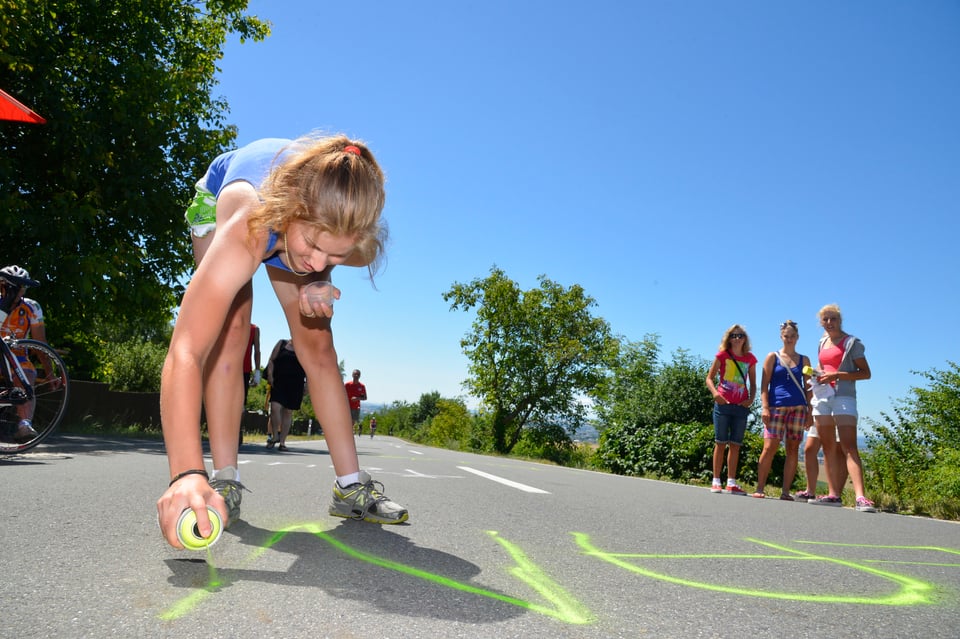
(449, 427)
(641, 391)
(655, 418)
(92, 201)
(534, 355)
(134, 365)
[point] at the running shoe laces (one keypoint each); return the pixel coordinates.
(231, 490)
(365, 501)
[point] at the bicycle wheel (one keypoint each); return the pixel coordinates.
(51, 392)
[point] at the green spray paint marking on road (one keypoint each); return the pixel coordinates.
(565, 607)
(186, 605)
(911, 592)
(937, 564)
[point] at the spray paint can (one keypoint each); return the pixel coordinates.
(189, 534)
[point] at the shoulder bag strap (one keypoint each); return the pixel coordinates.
(794, 377)
(739, 370)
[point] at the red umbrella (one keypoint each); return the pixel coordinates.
(11, 109)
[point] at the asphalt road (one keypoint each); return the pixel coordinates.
(494, 548)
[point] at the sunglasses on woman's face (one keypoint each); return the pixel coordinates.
(737, 335)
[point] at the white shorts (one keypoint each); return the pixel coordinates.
(836, 405)
(812, 432)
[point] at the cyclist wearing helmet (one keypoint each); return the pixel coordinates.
(20, 318)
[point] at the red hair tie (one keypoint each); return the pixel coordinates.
(352, 149)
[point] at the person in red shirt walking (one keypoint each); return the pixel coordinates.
(356, 392)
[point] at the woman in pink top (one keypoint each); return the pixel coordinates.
(842, 363)
(732, 380)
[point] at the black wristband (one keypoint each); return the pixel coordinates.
(195, 471)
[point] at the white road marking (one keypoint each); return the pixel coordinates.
(281, 463)
(414, 473)
(506, 482)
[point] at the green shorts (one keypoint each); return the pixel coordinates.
(201, 215)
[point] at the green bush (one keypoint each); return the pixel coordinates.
(682, 452)
(549, 442)
(133, 365)
(450, 426)
(481, 434)
(912, 461)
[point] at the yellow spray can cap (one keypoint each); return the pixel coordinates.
(189, 534)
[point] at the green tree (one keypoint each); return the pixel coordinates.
(450, 426)
(640, 391)
(534, 355)
(396, 419)
(427, 408)
(619, 398)
(90, 200)
(654, 418)
(912, 460)
(133, 365)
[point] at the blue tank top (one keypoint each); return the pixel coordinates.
(784, 390)
(274, 260)
(251, 163)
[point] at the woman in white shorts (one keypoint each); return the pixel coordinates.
(842, 363)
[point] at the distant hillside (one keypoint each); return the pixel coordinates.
(587, 433)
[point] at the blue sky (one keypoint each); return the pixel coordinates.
(690, 164)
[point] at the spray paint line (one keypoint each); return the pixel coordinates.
(949, 551)
(185, 606)
(903, 562)
(189, 603)
(565, 607)
(912, 591)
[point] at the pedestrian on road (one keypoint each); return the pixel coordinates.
(287, 383)
(373, 427)
(785, 408)
(732, 380)
(302, 207)
(251, 362)
(356, 392)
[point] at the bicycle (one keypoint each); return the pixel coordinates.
(47, 393)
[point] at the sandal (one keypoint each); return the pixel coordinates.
(282, 448)
(786, 497)
(758, 495)
(804, 496)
